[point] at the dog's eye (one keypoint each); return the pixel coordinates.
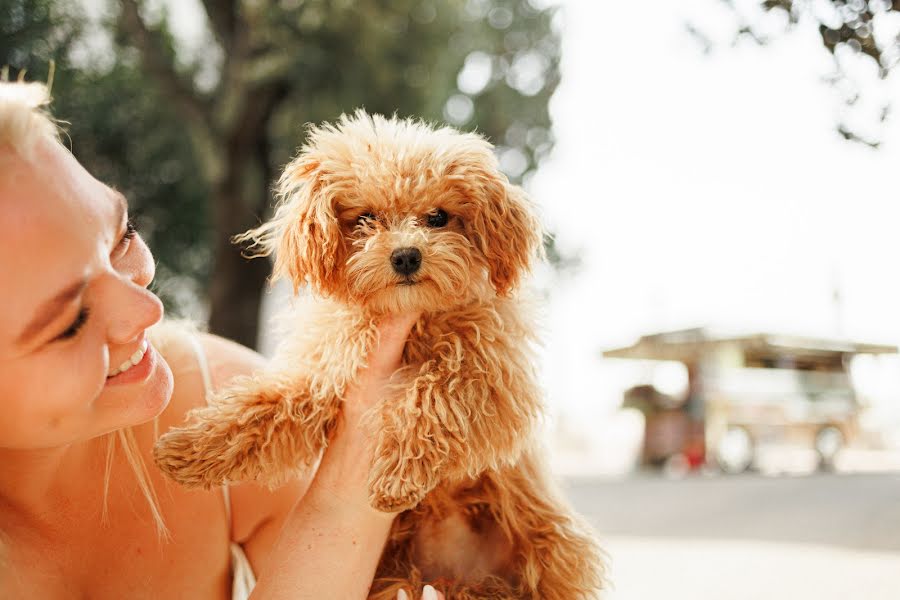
(366, 219)
(437, 219)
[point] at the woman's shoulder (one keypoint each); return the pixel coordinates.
(257, 512)
(195, 357)
(228, 359)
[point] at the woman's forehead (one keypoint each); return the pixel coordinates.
(51, 196)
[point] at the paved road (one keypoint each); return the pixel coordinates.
(733, 538)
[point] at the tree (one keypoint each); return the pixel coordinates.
(866, 28)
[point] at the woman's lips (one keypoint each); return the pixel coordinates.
(136, 373)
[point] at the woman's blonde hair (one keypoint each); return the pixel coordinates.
(23, 115)
(24, 120)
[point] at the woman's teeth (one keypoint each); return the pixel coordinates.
(135, 359)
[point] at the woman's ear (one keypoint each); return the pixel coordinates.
(304, 233)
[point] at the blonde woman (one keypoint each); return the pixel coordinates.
(85, 390)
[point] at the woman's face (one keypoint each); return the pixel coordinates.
(75, 306)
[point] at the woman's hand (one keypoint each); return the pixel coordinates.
(428, 593)
(345, 466)
(332, 540)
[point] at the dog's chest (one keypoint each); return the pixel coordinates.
(445, 338)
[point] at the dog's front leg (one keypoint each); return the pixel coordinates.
(413, 442)
(261, 428)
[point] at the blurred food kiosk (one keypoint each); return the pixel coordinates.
(745, 392)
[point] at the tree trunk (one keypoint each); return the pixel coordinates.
(236, 282)
(235, 291)
(240, 199)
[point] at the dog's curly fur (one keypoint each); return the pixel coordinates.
(456, 448)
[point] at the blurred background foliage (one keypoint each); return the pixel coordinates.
(195, 133)
(848, 30)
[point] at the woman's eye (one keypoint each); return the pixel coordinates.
(130, 232)
(73, 329)
(366, 219)
(437, 219)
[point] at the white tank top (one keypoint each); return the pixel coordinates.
(242, 577)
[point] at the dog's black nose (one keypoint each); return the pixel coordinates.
(406, 261)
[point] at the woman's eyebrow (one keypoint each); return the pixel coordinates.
(49, 310)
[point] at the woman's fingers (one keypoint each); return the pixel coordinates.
(383, 360)
(392, 333)
(428, 593)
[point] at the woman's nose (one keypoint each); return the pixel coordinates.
(132, 309)
(140, 265)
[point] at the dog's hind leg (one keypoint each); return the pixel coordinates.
(557, 557)
(263, 428)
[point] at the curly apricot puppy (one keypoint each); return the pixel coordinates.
(381, 216)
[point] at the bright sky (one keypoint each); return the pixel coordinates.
(706, 190)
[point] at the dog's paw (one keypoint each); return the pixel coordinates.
(393, 504)
(192, 459)
(394, 496)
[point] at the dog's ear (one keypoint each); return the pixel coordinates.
(510, 235)
(311, 246)
(304, 233)
(504, 227)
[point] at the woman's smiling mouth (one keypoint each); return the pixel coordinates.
(133, 360)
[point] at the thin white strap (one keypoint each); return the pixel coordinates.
(204, 365)
(226, 494)
(208, 389)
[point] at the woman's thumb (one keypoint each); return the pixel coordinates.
(393, 331)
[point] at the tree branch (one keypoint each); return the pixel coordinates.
(154, 57)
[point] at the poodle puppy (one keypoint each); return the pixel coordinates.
(380, 216)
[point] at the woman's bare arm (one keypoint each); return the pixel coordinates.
(258, 513)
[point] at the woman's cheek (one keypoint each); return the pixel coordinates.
(91, 354)
(56, 407)
(81, 366)
(24, 407)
